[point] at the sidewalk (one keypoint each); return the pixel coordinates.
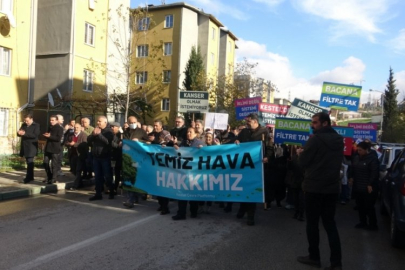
(12, 186)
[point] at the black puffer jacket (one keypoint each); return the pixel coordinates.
(365, 172)
(102, 143)
(322, 159)
(258, 134)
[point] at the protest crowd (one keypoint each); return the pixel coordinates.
(310, 179)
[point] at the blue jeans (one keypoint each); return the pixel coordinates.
(345, 193)
(102, 171)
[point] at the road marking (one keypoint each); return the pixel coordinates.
(93, 204)
(75, 247)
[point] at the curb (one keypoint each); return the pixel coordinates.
(26, 190)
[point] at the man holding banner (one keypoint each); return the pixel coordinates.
(321, 159)
(254, 132)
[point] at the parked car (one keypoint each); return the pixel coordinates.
(393, 198)
(387, 156)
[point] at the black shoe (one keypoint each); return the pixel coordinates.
(221, 205)
(361, 226)
(193, 215)
(333, 268)
(372, 228)
(96, 198)
(250, 221)
(49, 182)
(178, 217)
(307, 260)
(279, 205)
(240, 215)
(227, 209)
(159, 209)
(165, 212)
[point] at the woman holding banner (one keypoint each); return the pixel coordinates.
(192, 141)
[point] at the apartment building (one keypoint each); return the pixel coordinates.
(176, 28)
(76, 57)
(17, 67)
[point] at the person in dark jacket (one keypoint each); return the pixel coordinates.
(254, 132)
(116, 154)
(72, 141)
(77, 153)
(52, 149)
(276, 178)
(364, 175)
(192, 141)
(179, 132)
(29, 132)
(295, 187)
(101, 141)
(133, 133)
(321, 159)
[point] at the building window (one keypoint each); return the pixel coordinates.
(88, 77)
(212, 58)
(214, 33)
(91, 4)
(5, 61)
(169, 21)
(3, 122)
(165, 105)
(167, 74)
(167, 50)
(143, 24)
(142, 51)
(89, 34)
(141, 77)
(6, 6)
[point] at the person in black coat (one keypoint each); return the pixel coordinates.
(364, 176)
(192, 141)
(29, 133)
(254, 132)
(52, 148)
(101, 148)
(179, 132)
(116, 158)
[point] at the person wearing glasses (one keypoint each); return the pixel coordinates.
(179, 132)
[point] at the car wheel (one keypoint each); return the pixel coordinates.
(397, 236)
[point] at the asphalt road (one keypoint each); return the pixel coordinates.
(66, 231)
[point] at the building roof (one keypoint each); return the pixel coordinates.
(229, 33)
(185, 5)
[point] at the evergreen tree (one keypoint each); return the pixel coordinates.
(194, 70)
(390, 117)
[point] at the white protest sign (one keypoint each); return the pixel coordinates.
(216, 120)
(193, 101)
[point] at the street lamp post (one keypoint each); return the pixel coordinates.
(382, 108)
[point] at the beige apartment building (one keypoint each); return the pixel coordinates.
(167, 34)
